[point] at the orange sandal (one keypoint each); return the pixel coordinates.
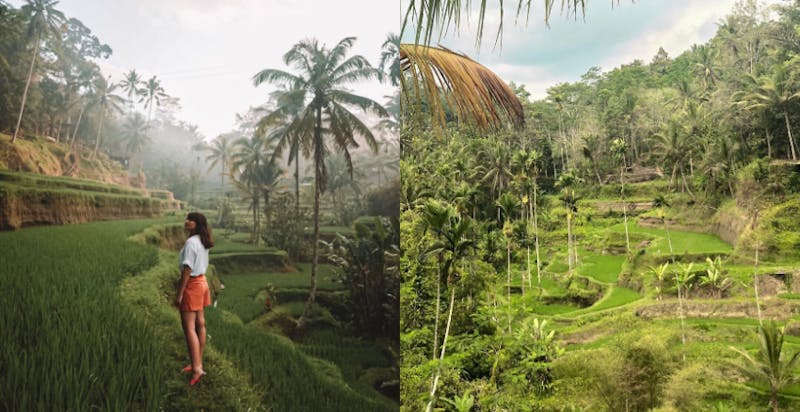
(188, 368)
(197, 379)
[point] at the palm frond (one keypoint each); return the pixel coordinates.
(469, 89)
(275, 76)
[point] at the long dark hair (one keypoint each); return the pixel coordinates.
(201, 229)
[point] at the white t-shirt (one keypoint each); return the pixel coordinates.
(194, 255)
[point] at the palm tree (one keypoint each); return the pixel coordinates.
(496, 166)
(106, 101)
(660, 203)
(134, 131)
(390, 59)
(567, 183)
(618, 148)
(435, 217)
(43, 22)
(674, 145)
(508, 203)
(452, 245)
(247, 159)
(339, 178)
(321, 85)
(773, 93)
(289, 106)
(769, 364)
(682, 281)
(152, 94)
(85, 82)
(705, 65)
(130, 85)
(220, 152)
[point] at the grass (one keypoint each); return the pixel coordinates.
(616, 296)
(223, 245)
(240, 292)
(68, 343)
(23, 179)
(602, 268)
(682, 241)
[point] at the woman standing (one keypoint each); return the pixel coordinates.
(193, 293)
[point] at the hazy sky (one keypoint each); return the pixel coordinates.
(206, 51)
(607, 37)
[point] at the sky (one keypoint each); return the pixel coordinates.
(610, 34)
(206, 51)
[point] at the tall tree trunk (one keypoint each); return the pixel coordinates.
(319, 158)
(27, 85)
(789, 132)
(769, 144)
(624, 207)
(439, 274)
(508, 275)
(297, 182)
(429, 408)
(99, 133)
(266, 210)
(755, 286)
(77, 125)
(258, 216)
(680, 308)
(570, 257)
(536, 242)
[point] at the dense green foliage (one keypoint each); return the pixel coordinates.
(629, 217)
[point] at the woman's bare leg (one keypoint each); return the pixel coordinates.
(188, 319)
(200, 329)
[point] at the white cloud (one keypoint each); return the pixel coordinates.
(536, 79)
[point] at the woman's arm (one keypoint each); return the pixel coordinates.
(184, 281)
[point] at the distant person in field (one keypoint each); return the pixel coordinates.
(193, 293)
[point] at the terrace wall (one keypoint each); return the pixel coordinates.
(23, 206)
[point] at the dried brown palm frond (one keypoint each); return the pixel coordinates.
(445, 80)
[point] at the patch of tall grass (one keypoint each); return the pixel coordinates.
(68, 342)
(286, 376)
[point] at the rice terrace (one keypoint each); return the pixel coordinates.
(99, 167)
(619, 238)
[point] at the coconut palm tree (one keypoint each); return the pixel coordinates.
(508, 203)
(134, 132)
(289, 102)
(246, 161)
(130, 85)
(618, 148)
(220, 152)
(44, 20)
(770, 364)
(152, 94)
(660, 203)
(683, 280)
(85, 82)
(773, 93)
(390, 59)
(106, 102)
(452, 245)
(567, 183)
(321, 85)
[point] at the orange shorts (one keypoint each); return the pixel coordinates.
(196, 296)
